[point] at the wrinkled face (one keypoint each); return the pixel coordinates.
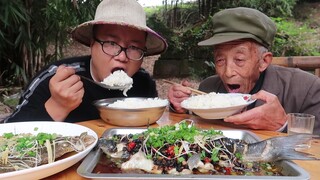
(103, 64)
(239, 64)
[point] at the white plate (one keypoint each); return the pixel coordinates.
(65, 129)
(221, 112)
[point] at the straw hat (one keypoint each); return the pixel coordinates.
(121, 12)
(241, 23)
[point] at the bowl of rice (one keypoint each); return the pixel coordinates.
(131, 111)
(217, 106)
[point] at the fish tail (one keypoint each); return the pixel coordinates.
(279, 148)
(285, 147)
(296, 155)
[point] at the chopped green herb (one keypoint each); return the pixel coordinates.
(176, 150)
(238, 156)
(203, 154)
(214, 155)
(8, 135)
(181, 159)
(171, 134)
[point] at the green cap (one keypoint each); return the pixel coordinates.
(241, 23)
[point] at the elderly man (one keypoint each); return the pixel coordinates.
(241, 41)
(119, 40)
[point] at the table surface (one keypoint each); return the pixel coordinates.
(99, 126)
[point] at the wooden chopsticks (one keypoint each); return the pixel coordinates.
(195, 91)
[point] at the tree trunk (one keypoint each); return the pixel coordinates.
(28, 57)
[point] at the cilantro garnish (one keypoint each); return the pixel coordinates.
(171, 134)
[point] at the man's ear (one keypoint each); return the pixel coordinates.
(265, 61)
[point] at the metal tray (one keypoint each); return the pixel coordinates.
(290, 170)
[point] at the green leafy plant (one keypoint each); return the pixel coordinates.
(30, 27)
(293, 39)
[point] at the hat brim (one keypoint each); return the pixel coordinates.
(221, 38)
(155, 44)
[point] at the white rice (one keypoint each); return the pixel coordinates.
(121, 79)
(213, 100)
(136, 103)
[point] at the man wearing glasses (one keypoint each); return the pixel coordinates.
(118, 41)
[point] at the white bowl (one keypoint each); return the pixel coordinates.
(217, 112)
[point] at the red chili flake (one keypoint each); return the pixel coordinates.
(228, 170)
(170, 150)
(131, 145)
(245, 98)
(207, 160)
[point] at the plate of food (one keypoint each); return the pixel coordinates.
(217, 105)
(35, 150)
(184, 151)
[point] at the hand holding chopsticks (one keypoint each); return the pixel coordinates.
(195, 91)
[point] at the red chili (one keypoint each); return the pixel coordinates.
(228, 170)
(131, 145)
(207, 160)
(170, 150)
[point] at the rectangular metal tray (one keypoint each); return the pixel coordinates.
(290, 170)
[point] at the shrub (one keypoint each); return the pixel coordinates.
(295, 40)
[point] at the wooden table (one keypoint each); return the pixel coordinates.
(99, 126)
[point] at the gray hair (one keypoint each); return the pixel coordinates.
(261, 49)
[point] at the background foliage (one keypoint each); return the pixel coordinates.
(292, 38)
(30, 27)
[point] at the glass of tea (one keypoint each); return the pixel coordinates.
(301, 123)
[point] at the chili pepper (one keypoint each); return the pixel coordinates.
(228, 170)
(207, 160)
(131, 145)
(170, 151)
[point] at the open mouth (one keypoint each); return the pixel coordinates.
(234, 87)
(116, 69)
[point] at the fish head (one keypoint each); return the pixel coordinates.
(107, 145)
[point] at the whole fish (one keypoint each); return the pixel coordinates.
(14, 157)
(181, 148)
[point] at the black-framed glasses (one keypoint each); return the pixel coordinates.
(113, 49)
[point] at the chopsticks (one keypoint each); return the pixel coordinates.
(195, 91)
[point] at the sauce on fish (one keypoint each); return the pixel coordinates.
(105, 165)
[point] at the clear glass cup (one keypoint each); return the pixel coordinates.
(301, 123)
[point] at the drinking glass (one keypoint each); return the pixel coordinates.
(301, 123)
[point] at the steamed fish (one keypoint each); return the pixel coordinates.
(23, 151)
(185, 149)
